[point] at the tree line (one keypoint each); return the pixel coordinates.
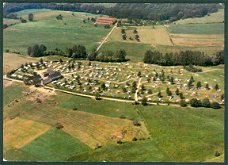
(79, 52)
(146, 11)
(183, 58)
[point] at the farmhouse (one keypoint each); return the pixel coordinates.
(106, 21)
(50, 75)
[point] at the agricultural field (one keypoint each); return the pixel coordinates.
(64, 109)
(9, 64)
(163, 136)
(217, 17)
(204, 34)
(46, 28)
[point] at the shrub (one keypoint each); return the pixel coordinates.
(183, 103)
(59, 126)
(134, 139)
(136, 123)
(119, 142)
(217, 153)
(206, 103)
(215, 105)
(195, 103)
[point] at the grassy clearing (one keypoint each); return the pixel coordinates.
(216, 17)
(18, 132)
(12, 61)
(55, 145)
(216, 28)
(46, 29)
(135, 51)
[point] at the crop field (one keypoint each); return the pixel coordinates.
(18, 132)
(215, 28)
(46, 28)
(204, 34)
(165, 125)
(12, 61)
(175, 132)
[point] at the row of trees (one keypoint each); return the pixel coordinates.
(183, 58)
(79, 52)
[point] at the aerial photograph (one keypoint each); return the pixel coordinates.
(113, 82)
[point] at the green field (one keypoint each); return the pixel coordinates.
(11, 93)
(195, 134)
(215, 28)
(135, 51)
(178, 134)
(53, 33)
(211, 18)
(55, 145)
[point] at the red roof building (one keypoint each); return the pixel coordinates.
(106, 21)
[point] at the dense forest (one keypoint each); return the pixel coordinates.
(151, 11)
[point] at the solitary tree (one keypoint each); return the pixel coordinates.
(30, 17)
(198, 85)
(177, 92)
(144, 101)
(216, 87)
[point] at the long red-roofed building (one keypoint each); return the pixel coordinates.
(106, 20)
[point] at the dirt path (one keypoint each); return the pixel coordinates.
(136, 92)
(106, 37)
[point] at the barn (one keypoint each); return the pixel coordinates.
(106, 21)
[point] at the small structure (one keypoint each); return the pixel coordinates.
(50, 75)
(106, 21)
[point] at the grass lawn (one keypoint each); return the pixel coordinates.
(46, 29)
(135, 51)
(215, 28)
(55, 145)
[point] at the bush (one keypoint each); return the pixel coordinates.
(119, 142)
(195, 103)
(206, 103)
(183, 103)
(134, 139)
(59, 126)
(136, 123)
(215, 105)
(217, 153)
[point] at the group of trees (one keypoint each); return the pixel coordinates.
(204, 103)
(183, 58)
(146, 11)
(111, 56)
(37, 50)
(77, 51)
